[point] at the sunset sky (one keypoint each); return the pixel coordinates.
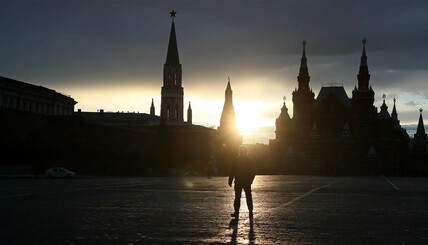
(110, 54)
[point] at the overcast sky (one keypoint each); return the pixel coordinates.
(110, 54)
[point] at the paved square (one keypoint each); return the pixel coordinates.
(195, 210)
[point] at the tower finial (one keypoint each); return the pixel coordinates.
(384, 97)
(420, 110)
(363, 55)
(172, 13)
(363, 74)
(303, 61)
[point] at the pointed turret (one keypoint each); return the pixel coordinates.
(363, 74)
(303, 77)
(189, 114)
(421, 127)
(284, 113)
(152, 109)
(420, 138)
(363, 55)
(303, 97)
(282, 123)
(172, 56)
(394, 113)
(228, 117)
(228, 92)
(384, 114)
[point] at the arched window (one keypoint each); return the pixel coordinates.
(167, 112)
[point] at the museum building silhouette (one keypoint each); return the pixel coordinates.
(335, 134)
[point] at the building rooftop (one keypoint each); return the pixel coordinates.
(336, 91)
(11, 83)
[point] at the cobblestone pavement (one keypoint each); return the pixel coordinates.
(288, 210)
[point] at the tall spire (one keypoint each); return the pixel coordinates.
(189, 114)
(421, 128)
(228, 88)
(303, 61)
(303, 77)
(172, 56)
(152, 109)
(394, 113)
(228, 92)
(420, 138)
(172, 90)
(363, 55)
(228, 117)
(363, 74)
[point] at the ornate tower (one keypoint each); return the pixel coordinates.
(228, 117)
(303, 97)
(172, 90)
(363, 95)
(228, 138)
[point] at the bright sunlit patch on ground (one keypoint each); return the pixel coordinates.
(248, 116)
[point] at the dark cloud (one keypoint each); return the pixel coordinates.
(83, 43)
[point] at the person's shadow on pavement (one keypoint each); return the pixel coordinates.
(251, 235)
(233, 224)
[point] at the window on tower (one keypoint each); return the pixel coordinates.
(167, 113)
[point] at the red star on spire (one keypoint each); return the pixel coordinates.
(172, 13)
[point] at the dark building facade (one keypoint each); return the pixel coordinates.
(21, 96)
(335, 134)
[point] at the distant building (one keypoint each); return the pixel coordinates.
(134, 120)
(228, 138)
(27, 97)
(335, 134)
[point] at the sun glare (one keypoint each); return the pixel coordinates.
(248, 116)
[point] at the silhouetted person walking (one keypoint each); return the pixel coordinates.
(244, 172)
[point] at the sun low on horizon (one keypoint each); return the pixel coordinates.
(249, 116)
